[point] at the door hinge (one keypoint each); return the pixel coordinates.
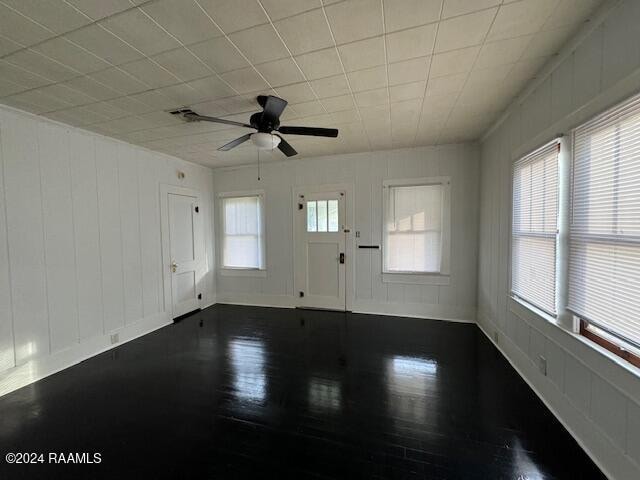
(197, 209)
(300, 206)
(199, 296)
(301, 294)
(341, 257)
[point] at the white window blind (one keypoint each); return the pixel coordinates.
(243, 232)
(535, 228)
(413, 229)
(604, 255)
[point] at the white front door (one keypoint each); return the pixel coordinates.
(186, 247)
(320, 250)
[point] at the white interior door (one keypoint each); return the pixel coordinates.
(320, 250)
(186, 247)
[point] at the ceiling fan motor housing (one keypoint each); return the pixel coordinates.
(262, 124)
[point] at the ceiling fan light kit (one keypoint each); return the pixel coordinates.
(265, 122)
(265, 141)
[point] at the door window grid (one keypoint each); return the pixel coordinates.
(322, 216)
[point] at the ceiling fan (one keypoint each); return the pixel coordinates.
(266, 123)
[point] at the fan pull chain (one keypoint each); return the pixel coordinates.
(258, 164)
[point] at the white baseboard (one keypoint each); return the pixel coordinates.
(39, 368)
(257, 300)
(610, 459)
(451, 313)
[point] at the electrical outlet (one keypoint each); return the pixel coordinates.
(542, 365)
(115, 338)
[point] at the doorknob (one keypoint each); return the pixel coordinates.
(174, 266)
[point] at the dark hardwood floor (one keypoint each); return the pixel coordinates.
(272, 393)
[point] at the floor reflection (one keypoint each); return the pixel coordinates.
(249, 392)
(325, 396)
(248, 361)
(524, 468)
(410, 382)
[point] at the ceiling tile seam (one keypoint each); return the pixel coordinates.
(226, 36)
(80, 74)
(28, 18)
(118, 66)
(344, 72)
(192, 53)
(134, 6)
(540, 30)
(97, 100)
(386, 68)
(426, 86)
(22, 46)
(293, 59)
(144, 55)
(455, 103)
(58, 35)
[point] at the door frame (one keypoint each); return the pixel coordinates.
(350, 248)
(165, 190)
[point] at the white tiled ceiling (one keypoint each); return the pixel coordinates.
(386, 73)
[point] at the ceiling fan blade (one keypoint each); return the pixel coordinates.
(203, 118)
(316, 132)
(273, 107)
(235, 143)
(285, 148)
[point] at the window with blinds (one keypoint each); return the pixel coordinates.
(413, 228)
(535, 228)
(242, 232)
(604, 245)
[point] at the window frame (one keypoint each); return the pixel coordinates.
(559, 251)
(241, 271)
(592, 331)
(425, 278)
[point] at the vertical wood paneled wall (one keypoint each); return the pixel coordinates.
(595, 395)
(366, 171)
(80, 241)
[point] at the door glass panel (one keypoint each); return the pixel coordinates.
(333, 215)
(322, 215)
(311, 217)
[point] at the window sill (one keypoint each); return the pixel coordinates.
(533, 309)
(416, 278)
(242, 272)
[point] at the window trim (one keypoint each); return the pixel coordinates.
(616, 344)
(613, 345)
(239, 271)
(560, 254)
(422, 278)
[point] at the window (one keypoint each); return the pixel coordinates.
(322, 216)
(535, 227)
(416, 226)
(242, 232)
(604, 244)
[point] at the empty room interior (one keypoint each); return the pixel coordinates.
(377, 239)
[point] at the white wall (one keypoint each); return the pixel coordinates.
(594, 393)
(366, 171)
(80, 249)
